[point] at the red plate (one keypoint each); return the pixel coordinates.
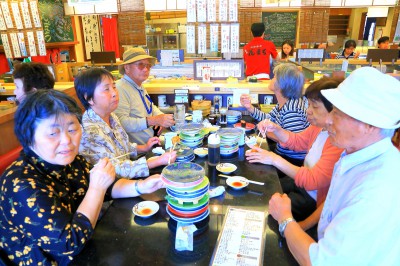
(249, 126)
(187, 214)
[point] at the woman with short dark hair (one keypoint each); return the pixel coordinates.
(29, 77)
(348, 51)
(103, 134)
(50, 198)
(307, 186)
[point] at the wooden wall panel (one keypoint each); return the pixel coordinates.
(131, 28)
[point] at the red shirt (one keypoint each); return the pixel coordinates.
(256, 55)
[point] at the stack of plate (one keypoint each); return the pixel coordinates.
(229, 141)
(233, 116)
(192, 135)
(187, 189)
(184, 154)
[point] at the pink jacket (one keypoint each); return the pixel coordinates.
(318, 177)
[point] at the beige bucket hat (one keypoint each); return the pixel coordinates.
(132, 55)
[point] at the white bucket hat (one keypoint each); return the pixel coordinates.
(368, 96)
(132, 55)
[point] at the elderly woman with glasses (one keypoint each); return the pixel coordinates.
(290, 112)
(306, 186)
(50, 198)
(103, 135)
(136, 111)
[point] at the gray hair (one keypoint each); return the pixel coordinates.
(289, 79)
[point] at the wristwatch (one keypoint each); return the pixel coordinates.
(283, 224)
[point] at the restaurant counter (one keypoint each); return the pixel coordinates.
(121, 238)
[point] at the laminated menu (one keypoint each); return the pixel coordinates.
(241, 240)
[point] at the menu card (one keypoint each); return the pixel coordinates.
(241, 240)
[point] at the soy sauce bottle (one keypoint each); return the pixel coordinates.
(213, 149)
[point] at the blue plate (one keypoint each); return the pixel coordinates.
(183, 172)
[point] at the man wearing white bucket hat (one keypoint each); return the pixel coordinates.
(136, 110)
(359, 223)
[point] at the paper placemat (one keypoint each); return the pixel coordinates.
(241, 240)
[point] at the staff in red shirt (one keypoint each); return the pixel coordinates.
(257, 53)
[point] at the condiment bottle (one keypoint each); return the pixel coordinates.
(213, 149)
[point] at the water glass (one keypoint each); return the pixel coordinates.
(179, 116)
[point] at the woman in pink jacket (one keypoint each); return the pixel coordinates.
(306, 186)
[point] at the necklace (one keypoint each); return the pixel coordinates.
(149, 109)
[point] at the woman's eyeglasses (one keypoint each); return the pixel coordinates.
(141, 66)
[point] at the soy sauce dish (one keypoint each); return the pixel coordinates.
(237, 182)
(226, 168)
(145, 209)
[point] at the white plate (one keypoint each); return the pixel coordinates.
(226, 168)
(237, 182)
(201, 152)
(158, 150)
(145, 208)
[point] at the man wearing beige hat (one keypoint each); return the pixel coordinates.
(359, 223)
(136, 110)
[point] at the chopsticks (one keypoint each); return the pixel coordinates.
(269, 119)
(170, 150)
(248, 180)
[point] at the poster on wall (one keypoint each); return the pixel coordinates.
(225, 32)
(91, 34)
(31, 43)
(211, 10)
(214, 37)
(7, 15)
(6, 46)
(190, 39)
(35, 14)
(191, 11)
(201, 10)
(223, 10)
(2, 22)
(21, 42)
(202, 39)
(15, 45)
(235, 38)
(41, 43)
(233, 10)
(17, 15)
(25, 14)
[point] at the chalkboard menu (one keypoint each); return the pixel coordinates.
(280, 26)
(56, 26)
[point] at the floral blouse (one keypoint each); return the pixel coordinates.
(99, 140)
(39, 224)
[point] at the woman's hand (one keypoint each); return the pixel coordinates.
(259, 155)
(102, 175)
(151, 142)
(267, 126)
(245, 101)
(150, 184)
